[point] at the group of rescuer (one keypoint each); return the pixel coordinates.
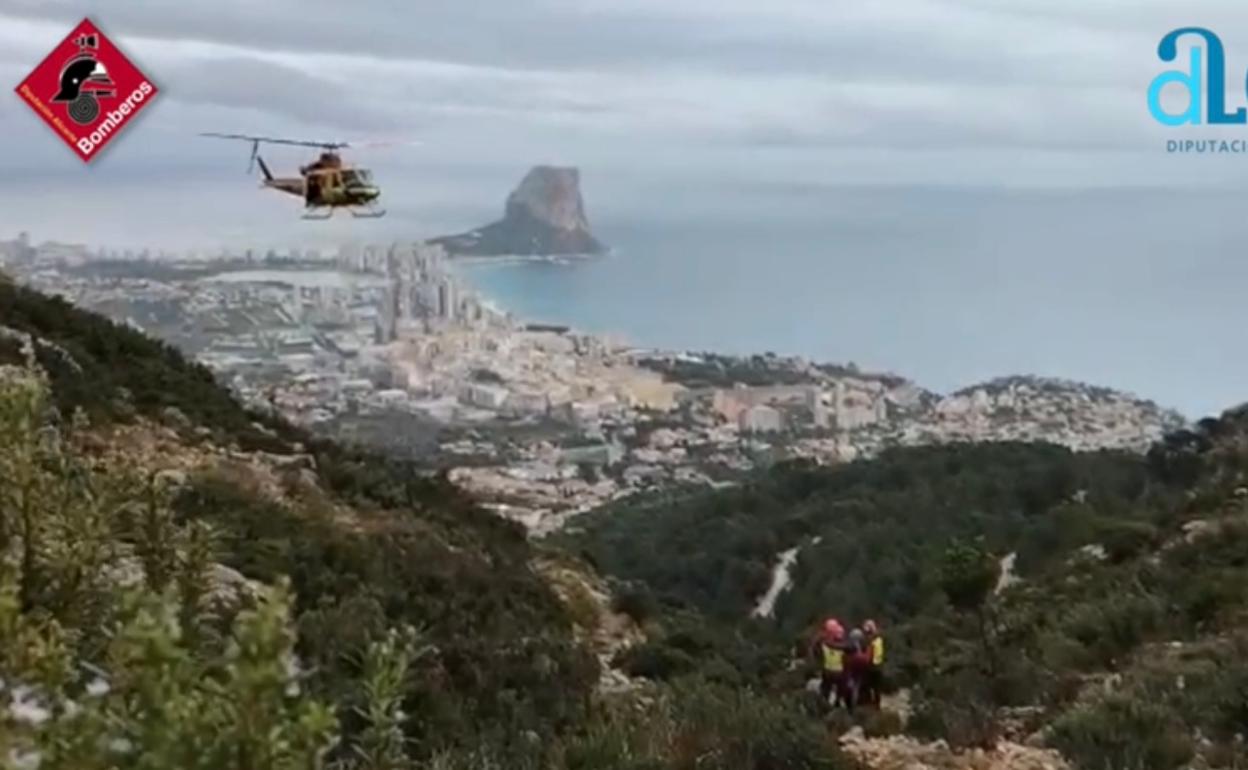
(851, 664)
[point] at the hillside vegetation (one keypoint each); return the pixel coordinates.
(867, 530)
(185, 584)
(1118, 639)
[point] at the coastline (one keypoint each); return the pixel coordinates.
(521, 259)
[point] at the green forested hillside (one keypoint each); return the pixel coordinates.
(184, 584)
(868, 531)
(430, 559)
(115, 372)
(1120, 643)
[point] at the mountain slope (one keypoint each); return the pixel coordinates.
(862, 529)
(1118, 640)
(368, 543)
(186, 584)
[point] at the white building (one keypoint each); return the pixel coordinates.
(858, 405)
(524, 402)
(761, 419)
(820, 417)
(485, 396)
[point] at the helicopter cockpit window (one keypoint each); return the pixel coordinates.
(356, 176)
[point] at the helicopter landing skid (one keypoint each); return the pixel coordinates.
(368, 213)
(311, 214)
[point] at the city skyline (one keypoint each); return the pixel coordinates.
(406, 282)
(383, 345)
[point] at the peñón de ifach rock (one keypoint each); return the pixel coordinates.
(544, 216)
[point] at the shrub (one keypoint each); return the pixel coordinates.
(732, 729)
(957, 707)
(1204, 597)
(881, 724)
(968, 575)
(1215, 696)
(655, 660)
(1123, 731)
(1115, 625)
(628, 742)
(637, 602)
(1126, 539)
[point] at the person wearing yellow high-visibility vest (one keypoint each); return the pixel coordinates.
(830, 651)
(873, 678)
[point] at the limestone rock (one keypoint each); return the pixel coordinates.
(906, 753)
(597, 624)
(544, 216)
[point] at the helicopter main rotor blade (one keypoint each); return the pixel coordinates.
(256, 140)
(385, 143)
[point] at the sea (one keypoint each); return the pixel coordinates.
(1137, 289)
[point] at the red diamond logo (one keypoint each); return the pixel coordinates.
(87, 91)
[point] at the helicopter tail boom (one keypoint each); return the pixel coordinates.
(264, 169)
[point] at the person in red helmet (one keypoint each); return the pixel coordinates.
(830, 656)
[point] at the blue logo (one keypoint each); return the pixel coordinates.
(1196, 81)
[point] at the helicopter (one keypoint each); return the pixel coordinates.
(326, 184)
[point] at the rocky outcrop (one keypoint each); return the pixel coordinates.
(905, 753)
(781, 578)
(544, 216)
(27, 346)
(596, 623)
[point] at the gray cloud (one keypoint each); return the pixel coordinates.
(247, 83)
(608, 83)
(935, 73)
(508, 34)
(938, 41)
(905, 90)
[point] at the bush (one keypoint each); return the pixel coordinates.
(1116, 625)
(1059, 652)
(881, 724)
(958, 708)
(1124, 731)
(1203, 598)
(655, 660)
(732, 729)
(1126, 539)
(1215, 692)
(637, 602)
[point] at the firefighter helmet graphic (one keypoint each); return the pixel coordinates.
(86, 90)
(84, 81)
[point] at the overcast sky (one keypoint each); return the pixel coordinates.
(706, 95)
(672, 108)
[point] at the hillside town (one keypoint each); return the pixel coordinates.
(388, 345)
